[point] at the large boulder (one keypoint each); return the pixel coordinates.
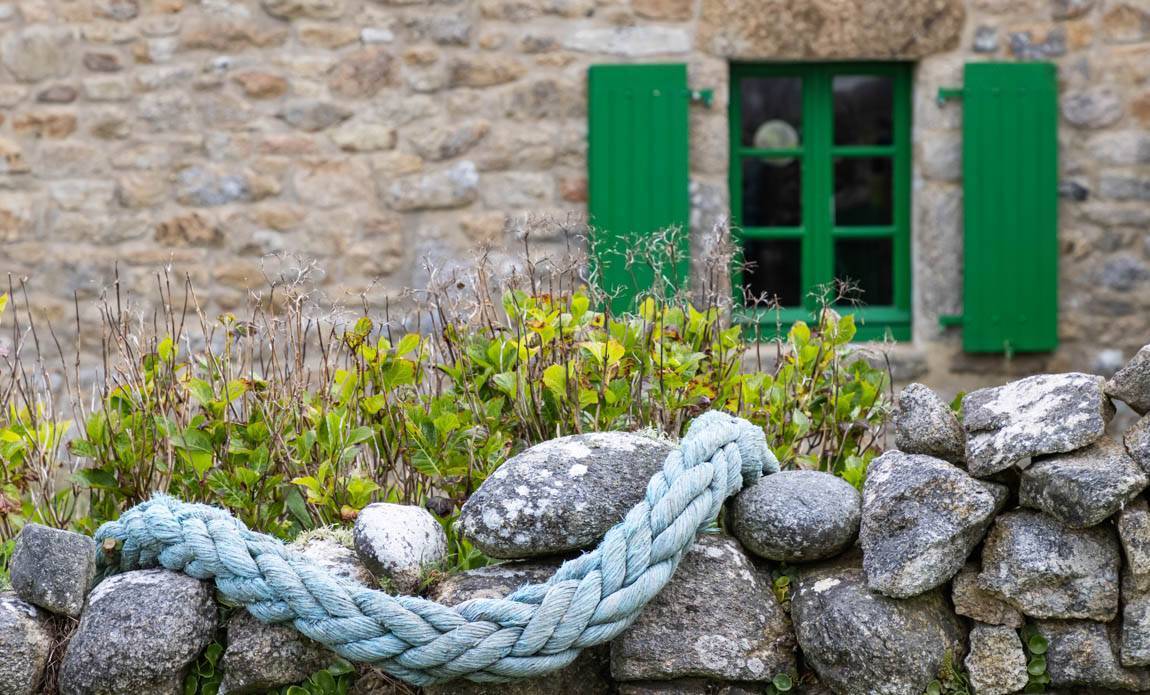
(590, 672)
(860, 642)
(1131, 384)
(139, 634)
(398, 543)
(921, 517)
(1084, 654)
(924, 424)
(53, 569)
(561, 495)
(797, 516)
(25, 644)
(996, 663)
(1044, 414)
(974, 603)
(717, 618)
(1048, 570)
(1083, 487)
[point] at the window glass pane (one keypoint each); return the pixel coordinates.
(863, 191)
(774, 271)
(866, 266)
(772, 111)
(772, 192)
(864, 108)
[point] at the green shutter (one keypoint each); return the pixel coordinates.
(637, 170)
(1010, 207)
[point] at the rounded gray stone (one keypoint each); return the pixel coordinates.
(1084, 654)
(53, 569)
(561, 495)
(25, 645)
(860, 642)
(921, 518)
(139, 634)
(924, 424)
(797, 516)
(398, 542)
(1083, 487)
(1048, 570)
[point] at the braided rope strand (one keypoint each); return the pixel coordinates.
(536, 629)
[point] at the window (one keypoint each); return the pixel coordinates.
(820, 189)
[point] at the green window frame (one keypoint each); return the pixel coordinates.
(817, 232)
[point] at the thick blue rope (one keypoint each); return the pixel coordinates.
(536, 629)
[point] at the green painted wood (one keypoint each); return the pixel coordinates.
(1010, 207)
(637, 175)
(818, 232)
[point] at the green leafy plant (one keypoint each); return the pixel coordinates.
(1036, 646)
(952, 679)
(295, 422)
(205, 677)
(781, 683)
(333, 680)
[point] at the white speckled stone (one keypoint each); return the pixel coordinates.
(1043, 414)
(25, 643)
(396, 542)
(561, 495)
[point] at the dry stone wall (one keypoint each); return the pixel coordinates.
(1023, 516)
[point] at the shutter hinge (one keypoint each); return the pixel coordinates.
(945, 94)
(704, 96)
(948, 320)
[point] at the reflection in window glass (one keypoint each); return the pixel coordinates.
(772, 193)
(772, 111)
(863, 192)
(864, 108)
(774, 271)
(866, 265)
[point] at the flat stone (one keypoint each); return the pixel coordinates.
(797, 516)
(399, 543)
(924, 424)
(590, 672)
(1092, 107)
(160, 621)
(26, 641)
(456, 186)
(484, 70)
(561, 495)
(1083, 487)
(630, 41)
(436, 142)
(974, 603)
(53, 569)
(1137, 441)
(310, 9)
(851, 29)
(1131, 384)
(1135, 641)
(716, 618)
(311, 115)
(1134, 532)
(1042, 414)
(860, 642)
(996, 664)
(1084, 654)
(362, 74)
(921, 517)
(1048, 570)
(37, 52)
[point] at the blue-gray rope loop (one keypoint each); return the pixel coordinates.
(534, 630)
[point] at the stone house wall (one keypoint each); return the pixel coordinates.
(367, 135)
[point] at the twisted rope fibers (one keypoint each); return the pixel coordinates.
(537, 629)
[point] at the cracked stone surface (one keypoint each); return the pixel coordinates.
(1083, 487)
(717, 618)
(1043, 414)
